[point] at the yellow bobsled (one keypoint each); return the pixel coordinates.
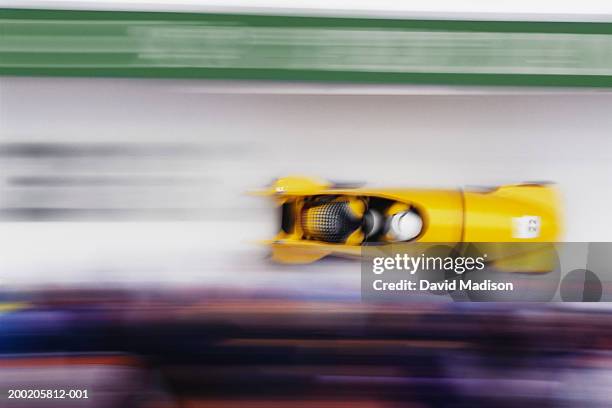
(319, 218)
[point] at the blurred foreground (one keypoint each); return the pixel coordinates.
(193, 348)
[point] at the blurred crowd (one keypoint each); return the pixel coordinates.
(194, 348)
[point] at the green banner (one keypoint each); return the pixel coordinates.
(231, 46)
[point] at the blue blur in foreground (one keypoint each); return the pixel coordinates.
(200, 348)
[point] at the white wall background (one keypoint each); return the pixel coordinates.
(392, 136)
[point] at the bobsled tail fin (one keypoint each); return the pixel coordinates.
(513, 213)
(543, 201)
(544, 196)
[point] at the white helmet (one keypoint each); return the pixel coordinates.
(404, 226)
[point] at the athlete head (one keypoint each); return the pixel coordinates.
(404, 226)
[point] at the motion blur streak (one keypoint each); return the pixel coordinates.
(181, 162)
(197, 349)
